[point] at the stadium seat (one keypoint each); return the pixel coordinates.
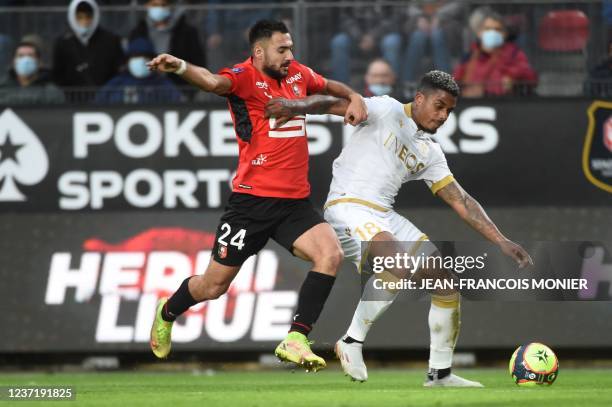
(564, 31)
(561, 60)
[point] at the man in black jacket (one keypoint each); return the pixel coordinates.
(167, 28)
(87, 55)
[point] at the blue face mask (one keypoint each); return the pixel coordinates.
(138, 67)
(379, 89)
(159, 14)
(82, 31)
(491, 39)
(26, 65)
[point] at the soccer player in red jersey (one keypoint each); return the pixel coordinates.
(270, 190)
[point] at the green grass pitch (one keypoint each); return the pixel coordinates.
(574, 387)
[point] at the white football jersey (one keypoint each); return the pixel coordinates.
(383, 153)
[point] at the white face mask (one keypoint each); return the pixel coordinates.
(138, 67)
(83, 31)
(26, 65)
(491, 39)
(379, 89)
(159, 14)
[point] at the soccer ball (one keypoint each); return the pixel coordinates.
(534, 364)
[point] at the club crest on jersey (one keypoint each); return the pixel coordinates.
(237, 70)
(222, 251)
(296, 90)
(597, 150)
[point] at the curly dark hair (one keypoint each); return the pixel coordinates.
(434, 80)
(265, 29)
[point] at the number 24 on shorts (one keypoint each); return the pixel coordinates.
(237, 240)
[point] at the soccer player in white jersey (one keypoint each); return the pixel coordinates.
(391, 148)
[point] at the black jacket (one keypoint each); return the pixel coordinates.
(91, 65)
(599, 82)
(40, 91)
(184, 43)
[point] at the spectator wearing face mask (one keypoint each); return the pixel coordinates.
(169, 32)
(27, 82)
(494, 66)
(86, 56)
(379, 79)
(138, 84)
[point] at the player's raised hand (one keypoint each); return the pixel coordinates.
(164, 63)
(356, 112)
(520, 255)
(280, 110)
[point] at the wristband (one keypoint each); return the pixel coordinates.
(182, 68)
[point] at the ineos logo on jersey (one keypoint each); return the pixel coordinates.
(261, 85)
(23, 158)
(403, 153)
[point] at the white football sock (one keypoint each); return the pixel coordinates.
(374, 302)
(444, 322)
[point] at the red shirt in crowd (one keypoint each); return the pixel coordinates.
(272, 162)
(488, 70)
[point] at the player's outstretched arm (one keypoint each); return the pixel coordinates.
(472, 212)
(196, 75)
(284, 109)
(356, 110)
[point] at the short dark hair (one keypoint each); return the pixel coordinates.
(265, 29)
(84, 7)
(28, 44)
(494, 15)
(438, 80)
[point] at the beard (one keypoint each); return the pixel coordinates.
(426, 130)
(273, 73)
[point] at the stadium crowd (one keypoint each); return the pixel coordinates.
(382, 50)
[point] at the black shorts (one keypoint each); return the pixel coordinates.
(249, 221)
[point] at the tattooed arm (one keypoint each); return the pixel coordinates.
(285, 109)
(356, 110)
(470, 211)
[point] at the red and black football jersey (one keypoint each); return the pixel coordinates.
(272, 162)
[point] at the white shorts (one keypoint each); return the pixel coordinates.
(355, 223)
